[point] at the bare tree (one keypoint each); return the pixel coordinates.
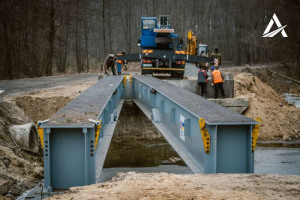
(39, 36)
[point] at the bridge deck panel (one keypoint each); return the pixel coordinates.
(86, 106)
(199, 106)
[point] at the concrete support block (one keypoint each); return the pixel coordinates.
(192, 86)
(238, 105)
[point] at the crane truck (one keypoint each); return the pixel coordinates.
(161, 49)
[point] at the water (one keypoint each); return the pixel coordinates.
(158, 156)
(140, 153)
(274, 160)
(293, 99)
(143, 156)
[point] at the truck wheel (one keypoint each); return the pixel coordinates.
(174, 75)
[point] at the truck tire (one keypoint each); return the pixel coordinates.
(177, 75)
(174, 75)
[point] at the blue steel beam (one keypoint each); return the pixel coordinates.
(176, 113)
(70, 155)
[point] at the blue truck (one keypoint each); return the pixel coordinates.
(161, 49)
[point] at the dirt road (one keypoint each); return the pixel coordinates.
(13, 87)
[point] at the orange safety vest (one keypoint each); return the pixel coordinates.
(120, 61)
(217, 76)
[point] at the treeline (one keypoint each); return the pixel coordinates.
(40, 37)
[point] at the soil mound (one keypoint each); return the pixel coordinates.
(41, 108)
(193, 186)
(280, 120)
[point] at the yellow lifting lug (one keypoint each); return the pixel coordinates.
(205, 135)
(255, 131)
(124, 80)
(97, 132)
(41, 133)
(130, 76)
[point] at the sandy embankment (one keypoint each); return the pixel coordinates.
(172, 186)
(280, 120)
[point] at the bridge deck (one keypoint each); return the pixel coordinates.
(86, 106)
(199, 106)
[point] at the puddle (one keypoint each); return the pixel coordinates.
(293, 99)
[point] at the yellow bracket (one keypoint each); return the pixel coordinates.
(255, 133)
(97, 133)
(130, 76)
(41, 134)
(205, 135)
(124, 80)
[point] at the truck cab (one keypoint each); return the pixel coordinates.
(159, 45)
(147, 39)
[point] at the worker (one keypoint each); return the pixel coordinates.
(120, 63)
(217, 81)
(202, 80)
(109, 62)
(202, 64)
(216, 58)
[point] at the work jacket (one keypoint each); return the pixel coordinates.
(216, 55)
(202, 76)
(120, 61)
(217, 76)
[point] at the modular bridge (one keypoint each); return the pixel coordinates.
(207, 136)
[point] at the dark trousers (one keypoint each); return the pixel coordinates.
(203, 89)
(217, 86)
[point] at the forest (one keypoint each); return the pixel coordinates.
(44, 37)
